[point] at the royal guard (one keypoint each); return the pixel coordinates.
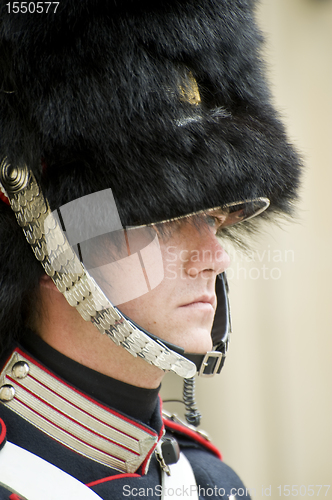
(134, 139)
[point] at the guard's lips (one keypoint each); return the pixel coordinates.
(208, 299)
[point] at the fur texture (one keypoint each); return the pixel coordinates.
(95, 92)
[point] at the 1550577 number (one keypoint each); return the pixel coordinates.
(302, 490)
(31, 7)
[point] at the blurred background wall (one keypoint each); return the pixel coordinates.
(270, 411)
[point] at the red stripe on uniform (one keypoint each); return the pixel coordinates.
(192, 434)
(111, 478)
(4, 198)
(3, 431)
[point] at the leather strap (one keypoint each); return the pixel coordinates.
(181, 482)
(33, 478)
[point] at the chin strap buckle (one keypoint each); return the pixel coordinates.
(212, 363)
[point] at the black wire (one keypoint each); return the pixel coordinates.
(193, 416)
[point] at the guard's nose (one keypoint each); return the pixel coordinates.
(208, 256)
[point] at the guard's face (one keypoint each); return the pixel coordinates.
(161, 276)
(181, 308)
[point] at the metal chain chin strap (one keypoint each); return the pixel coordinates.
(60, 262)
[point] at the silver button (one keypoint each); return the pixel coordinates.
(20, 369)
(7, 393)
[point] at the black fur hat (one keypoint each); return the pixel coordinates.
(99, 93)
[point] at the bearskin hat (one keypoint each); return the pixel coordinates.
(165, 103)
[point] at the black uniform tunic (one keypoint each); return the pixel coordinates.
(100, 395)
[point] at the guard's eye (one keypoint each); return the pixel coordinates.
(215, 221)
(212, 221)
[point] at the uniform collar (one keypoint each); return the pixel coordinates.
(136, 402)
(74, 418)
